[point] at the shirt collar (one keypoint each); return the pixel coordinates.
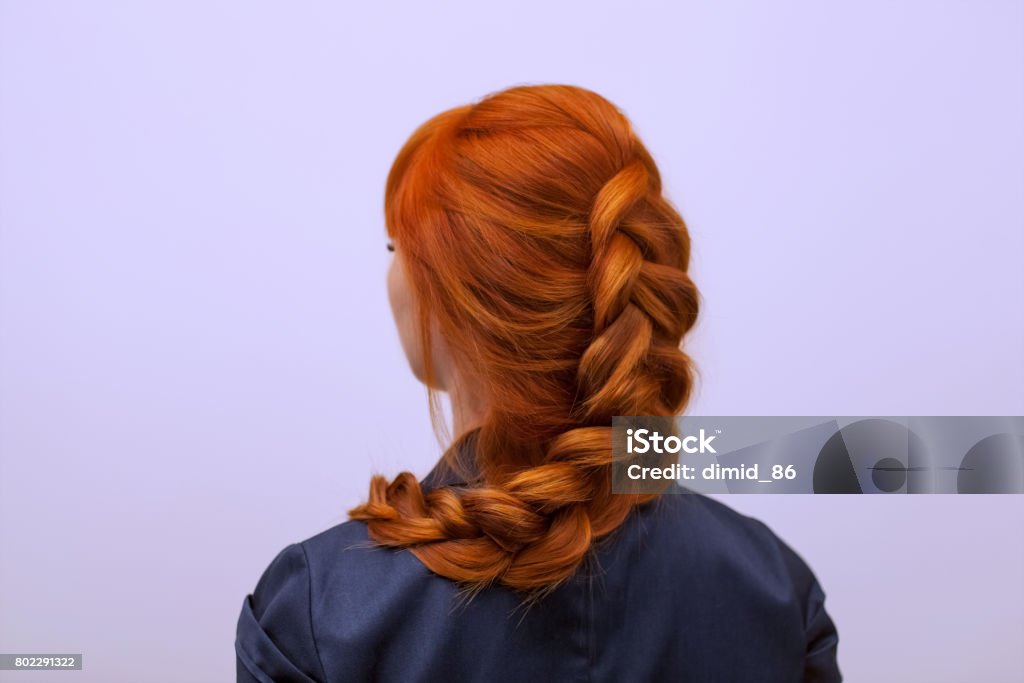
(457, 466)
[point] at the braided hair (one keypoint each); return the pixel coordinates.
(537, 242)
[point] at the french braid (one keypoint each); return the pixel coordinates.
(538, 237)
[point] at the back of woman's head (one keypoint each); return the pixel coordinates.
(533, 232)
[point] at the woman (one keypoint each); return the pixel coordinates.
(540, 280)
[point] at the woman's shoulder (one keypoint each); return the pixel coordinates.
(343, 560)
(734, 573)
(717, 519)
(284, 622)
(698, 533)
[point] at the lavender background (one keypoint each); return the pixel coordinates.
(197, 361)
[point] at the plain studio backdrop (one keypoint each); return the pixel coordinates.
(197, 360)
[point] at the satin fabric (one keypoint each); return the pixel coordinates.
(686, 590)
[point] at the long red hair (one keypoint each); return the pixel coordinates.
(536, 239)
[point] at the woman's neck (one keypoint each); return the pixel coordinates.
(468, 408)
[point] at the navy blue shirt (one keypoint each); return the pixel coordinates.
(686, 589)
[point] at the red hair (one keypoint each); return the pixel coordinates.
(536, 238)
